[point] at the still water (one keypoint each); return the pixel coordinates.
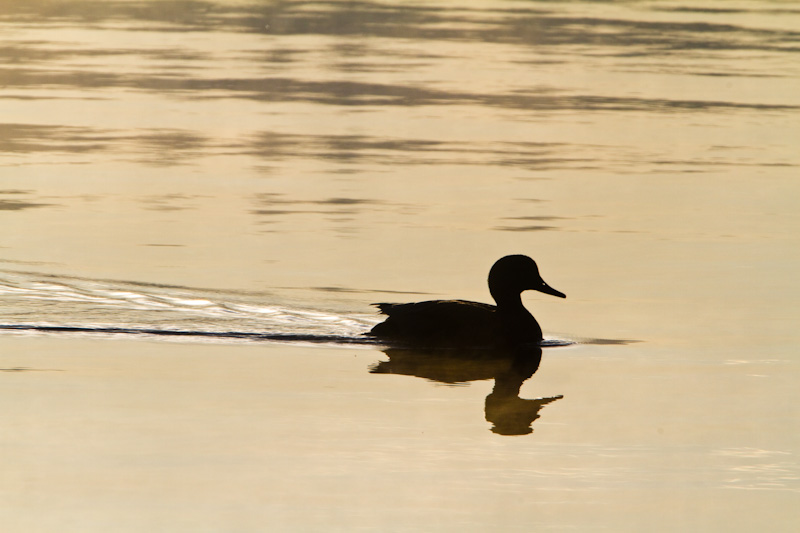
(273, 168)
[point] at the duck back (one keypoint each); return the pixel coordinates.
(440, 323)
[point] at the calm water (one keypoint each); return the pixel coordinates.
(275, 167)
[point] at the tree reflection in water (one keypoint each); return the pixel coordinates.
(505, 410)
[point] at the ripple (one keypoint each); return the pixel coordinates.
(80, 305)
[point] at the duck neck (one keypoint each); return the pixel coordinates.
(519, 323)
(509, 301)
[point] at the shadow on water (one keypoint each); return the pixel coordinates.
(505, 410)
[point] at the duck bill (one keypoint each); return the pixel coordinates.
(547, 289)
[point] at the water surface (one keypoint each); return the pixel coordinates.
(275, 168)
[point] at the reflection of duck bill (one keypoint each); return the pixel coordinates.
(514, 415)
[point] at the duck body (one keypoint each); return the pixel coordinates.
(461, 323)
(458, 323)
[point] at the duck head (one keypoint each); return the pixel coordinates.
(512, 274)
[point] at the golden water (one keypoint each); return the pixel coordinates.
(277, 167)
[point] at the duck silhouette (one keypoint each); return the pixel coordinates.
(461, 323)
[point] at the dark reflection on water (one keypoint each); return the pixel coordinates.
(545, 30)
(505, 410)
(19, 205)
(173, 146)
(27, 138)
(160, 146)
(166, 147)
(260, 62)
(526, 228)
(542, 24)
(341, 211)
(168, 202)
(363, 149)
(26, 53)
(18, 200)
(352, 93)
(280, 199)
(338, 210)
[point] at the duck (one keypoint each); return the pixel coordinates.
(461, 323)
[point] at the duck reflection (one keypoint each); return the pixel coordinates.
(505, 410)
